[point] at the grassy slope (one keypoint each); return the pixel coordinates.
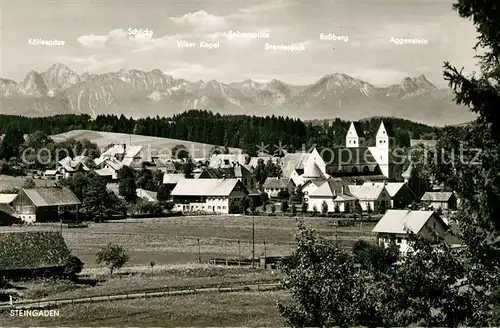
(102, 139)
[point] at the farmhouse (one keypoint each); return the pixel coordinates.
(7, 213)
(401, 195)
(273, 186)
(133, 156)
(42, 204)
(170, 180)
(393, 227)
(295, 163)
(237, 171)
(444, 200)
(372, 196)
(334, 192)
(68, 166)
(32, 254)
(209, 195)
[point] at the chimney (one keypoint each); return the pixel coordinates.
(385, 182)
(342, 189)
(224, 176)
(373, 184)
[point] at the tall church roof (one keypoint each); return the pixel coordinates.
(359, 129)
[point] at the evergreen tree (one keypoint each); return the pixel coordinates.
(304, 207)
(188, 169)
(126, 185)
(13, 139)
(324, 207)
(284, 206)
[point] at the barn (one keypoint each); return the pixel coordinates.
(29, 254)
(42, 204)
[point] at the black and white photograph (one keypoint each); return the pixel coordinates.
(254, 163)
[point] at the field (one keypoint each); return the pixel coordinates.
(172, 243)
(251, 309)
(103, 139)
(7, 182)
(183, 240)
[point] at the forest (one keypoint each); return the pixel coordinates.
(238, 131)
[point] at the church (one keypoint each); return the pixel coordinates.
(355, 160)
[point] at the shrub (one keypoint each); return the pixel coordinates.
(114, 256)
(73, 267)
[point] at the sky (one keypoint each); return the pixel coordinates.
(97, 39)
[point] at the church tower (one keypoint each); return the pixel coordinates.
(382, 151)
(355, 136)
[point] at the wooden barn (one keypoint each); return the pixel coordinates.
(42, 204)
(30, 254)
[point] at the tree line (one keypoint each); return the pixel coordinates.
(237, 131)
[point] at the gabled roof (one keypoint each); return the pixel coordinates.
(105, 172)
(275, 183)
(147, 194)
(367, 191)
(397, 221)
(236, 171)
(7, 198)
(331, 188)
(114, 164)
(32, 250)
(388, 129)
(206, 187)
(437, 196)
(312, 171)
(172, 178)
(52, 196)
(114, 150)
(392, 187)
(293, 161)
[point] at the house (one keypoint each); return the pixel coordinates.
(170, 180)
(209, 195)
(428, 144)
(295, 162)
(108, 168)
(372, 196)
(42, 204)
(273, 186)
(146, 194)
(236, 171)
(393, 227)
(68, 166)
(31, 254)
(132, 156)
(444, 200)
(334, 192)
(401, 195)
(225, 160)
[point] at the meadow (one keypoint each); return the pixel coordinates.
(183, 240)
(103, 139)
(8, 182)
(242, 309)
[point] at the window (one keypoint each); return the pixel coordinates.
(398, 240)
(218, 207)
(223, 207)
(434, 224)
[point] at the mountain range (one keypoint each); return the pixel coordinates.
(59, 90)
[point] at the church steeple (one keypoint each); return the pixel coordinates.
(355, 136)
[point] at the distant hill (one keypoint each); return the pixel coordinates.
(157, 145)
(59, 90)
